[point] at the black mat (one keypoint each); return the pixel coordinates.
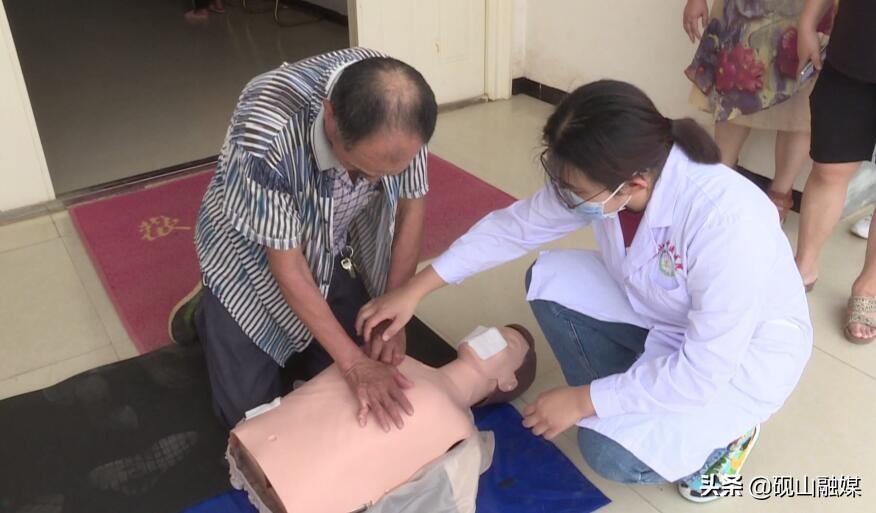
(134, 436)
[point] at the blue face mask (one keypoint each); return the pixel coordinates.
(592, 211)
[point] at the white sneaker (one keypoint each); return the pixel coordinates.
(862, 227)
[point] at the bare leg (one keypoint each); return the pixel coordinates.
(200, 11)
(823, 200)
(865, 285)
(196, 15)
(730, 139)
(792, 153)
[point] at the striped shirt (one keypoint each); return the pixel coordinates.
(350, 198)
(270, 191)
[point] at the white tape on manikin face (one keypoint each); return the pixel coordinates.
(486, 342)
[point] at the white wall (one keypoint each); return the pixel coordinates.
(518, 39)
(571, 42)
(24, 177)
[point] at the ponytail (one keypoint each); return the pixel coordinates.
(696, 143)
(610, 130)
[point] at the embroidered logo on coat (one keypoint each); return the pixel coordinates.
(668, 259)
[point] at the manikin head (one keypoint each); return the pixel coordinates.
(505, 357)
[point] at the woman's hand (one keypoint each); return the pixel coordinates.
(694, 11)
(396, 306)
(808, 48)
(557, 410)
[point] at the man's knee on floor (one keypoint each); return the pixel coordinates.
(607, 458)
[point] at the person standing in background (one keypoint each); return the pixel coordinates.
(745, 74)
(843, 134)
(201, 9)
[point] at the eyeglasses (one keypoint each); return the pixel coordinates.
(569, 198)
(566, 195)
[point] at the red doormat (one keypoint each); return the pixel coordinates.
(141, 243)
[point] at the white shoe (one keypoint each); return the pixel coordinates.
(862, 227)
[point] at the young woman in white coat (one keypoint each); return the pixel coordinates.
(683, 332)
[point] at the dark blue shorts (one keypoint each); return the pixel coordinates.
(242, 376)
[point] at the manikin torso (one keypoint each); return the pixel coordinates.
(296, 444)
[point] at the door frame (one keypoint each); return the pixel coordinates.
(27, 182)
(497, 44)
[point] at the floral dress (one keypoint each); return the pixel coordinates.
(746, 63)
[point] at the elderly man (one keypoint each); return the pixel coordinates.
(316, 206)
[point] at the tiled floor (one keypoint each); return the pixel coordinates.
(58, 321)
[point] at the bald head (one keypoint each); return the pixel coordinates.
(383, 95)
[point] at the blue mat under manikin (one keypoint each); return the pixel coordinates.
(234, 501)
(528, 475)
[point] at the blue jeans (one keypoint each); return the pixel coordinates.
(588, 349)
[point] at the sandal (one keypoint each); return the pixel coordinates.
(859, 308)
(784, 203)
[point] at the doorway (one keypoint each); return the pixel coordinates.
(120, 88)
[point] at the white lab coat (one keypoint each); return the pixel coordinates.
(711, 275)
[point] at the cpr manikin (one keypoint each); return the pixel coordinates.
(310, 455)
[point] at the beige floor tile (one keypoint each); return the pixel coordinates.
(49, 375)
(823, 430)
(64, 223)
(116, 331)
(499, 142)
(27, 233)
(44, 310)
